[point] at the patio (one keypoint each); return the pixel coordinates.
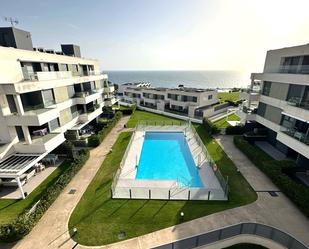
(32, 183)
(20, 174)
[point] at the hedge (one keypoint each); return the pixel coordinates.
(235, 130)
(26, 221)
(129, 110)
(96, 140)
(275, 170)
(210, 127)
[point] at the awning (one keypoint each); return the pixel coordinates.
(17, 164)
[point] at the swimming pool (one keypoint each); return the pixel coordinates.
(166, 156)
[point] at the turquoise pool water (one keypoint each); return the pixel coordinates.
(166, 156)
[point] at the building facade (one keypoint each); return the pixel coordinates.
(191, 102)
(278, 100)
(44, 94)
(122, 87)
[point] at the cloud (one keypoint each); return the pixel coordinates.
(73, 26)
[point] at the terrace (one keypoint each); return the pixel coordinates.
(20, 169)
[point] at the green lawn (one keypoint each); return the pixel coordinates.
(11, 208)
(99, 219)
(222, 123)
(148, 116)
(121, 107)
(233, 96)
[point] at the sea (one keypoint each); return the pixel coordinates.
(199, 79)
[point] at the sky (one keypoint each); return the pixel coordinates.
(165, 34)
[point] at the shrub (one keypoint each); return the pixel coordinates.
(68, 148)
(93, 141)
(276, 171)
(235, 130)
(129, 110)
(210, 127)
(26, 221)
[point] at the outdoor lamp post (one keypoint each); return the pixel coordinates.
(182, 215)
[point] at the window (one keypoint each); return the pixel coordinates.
(11, 103)
(266, 88)
(20, 133)
(305, 65)
(194, 99)
(261, 109)
(209, 97)
(71, 91)
(287, 121)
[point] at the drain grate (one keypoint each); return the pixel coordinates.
(273, 193)
(72, 191)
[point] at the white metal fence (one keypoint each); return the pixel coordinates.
(129, 190)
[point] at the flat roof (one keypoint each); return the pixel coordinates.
(162, 89)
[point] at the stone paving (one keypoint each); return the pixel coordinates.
(51, 231)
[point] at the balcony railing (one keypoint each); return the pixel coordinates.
(249, 90)
(294, 69)
(298, 102)
(54, 75)
(93, 108)
(84, 94)
(298, 135)
(38, 107)
(46, 75)
(249, 110)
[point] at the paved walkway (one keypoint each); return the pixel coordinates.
(51, 231)
(275, 211)
(270, 150)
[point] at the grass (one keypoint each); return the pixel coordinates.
(222, 123)
(142, 115)
(11, 208)
(121, 107)
(232, 96)
(99, 219)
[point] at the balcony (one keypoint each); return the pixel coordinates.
(42, 76)
(110, 100)
(294, 69)
(298, 102)
(246, 113)
(91, 113)
(56, 75)
(86, 96)
(93, 73)
(41, 144)
(109, 89)
(294, 140)
(296, 134)
(250, 94)
(33, 116)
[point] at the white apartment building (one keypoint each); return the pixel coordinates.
(278, 100)
(122, 87)
(43, 94)
(191, 102)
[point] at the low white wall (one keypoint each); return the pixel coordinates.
(170, 114)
